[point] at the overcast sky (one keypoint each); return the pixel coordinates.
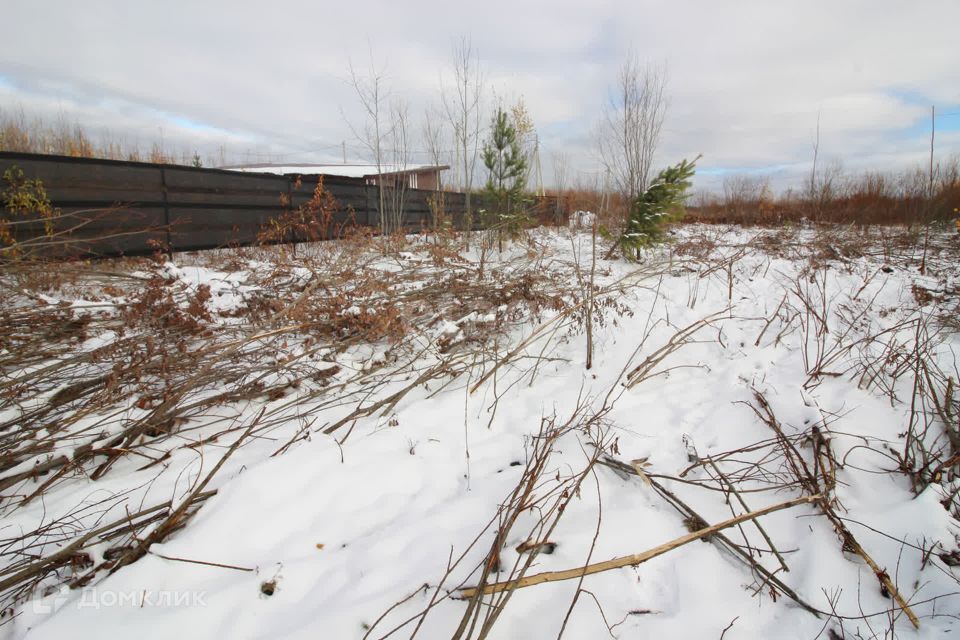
(268, 80)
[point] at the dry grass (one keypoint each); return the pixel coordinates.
(22, 134)
(148, 365)
(871, 198)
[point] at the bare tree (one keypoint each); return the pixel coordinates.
(435, 140)
(385, 134)
(631, 124)
(741, 191)
(398, 155)
(827, 185)
(812, 183)
(463, 107)
(374, 100)
(561, 171)
(529, 141)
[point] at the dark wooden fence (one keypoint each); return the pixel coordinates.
(128, 208)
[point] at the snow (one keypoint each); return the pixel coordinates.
(582, 219)
(347, 530)
(344, 170)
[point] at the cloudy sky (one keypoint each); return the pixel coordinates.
(268, 81)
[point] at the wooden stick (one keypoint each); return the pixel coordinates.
(882, 575)
(635, 559)
(203, 562)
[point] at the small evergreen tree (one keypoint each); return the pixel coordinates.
(659, 205)
(506, 166)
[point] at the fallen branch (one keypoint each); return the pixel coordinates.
(178, 516)
(201, 562)
(42, 566)
(811, 481)
(631, 560)
(719, 539)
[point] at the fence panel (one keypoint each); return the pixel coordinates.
(125, 208)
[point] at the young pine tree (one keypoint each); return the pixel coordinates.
(506, 165)
(659, 205)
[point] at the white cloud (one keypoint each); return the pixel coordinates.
(747, 79)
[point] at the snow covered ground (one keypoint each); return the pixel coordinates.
(733, 369)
